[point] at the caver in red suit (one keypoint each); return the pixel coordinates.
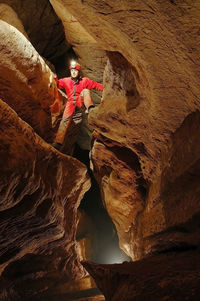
(78, 94)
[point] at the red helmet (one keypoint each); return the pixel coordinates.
(75, 65)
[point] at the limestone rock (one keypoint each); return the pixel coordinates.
(162, 277)
(42, 25)
(86, 237)
(146, 154)
(8, 15)
(40, 192)
(119, 176)
(27, 83)
(150, 103)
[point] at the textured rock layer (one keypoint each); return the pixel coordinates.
(40, 192)
(42, 26)
(27, 83)
(8, 15)
(145, 155)
(162, 277)
(149, 104)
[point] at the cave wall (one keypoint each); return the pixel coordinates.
(8, 15)
(145, 155)
(27, 83)
(150, 106)
(40, 188)
(41, 25)
(161, 277)
(40, 192)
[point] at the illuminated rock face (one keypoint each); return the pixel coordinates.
(145, 154)
(40, 189)
(150, 111)
(40, 192)
(150, 117)
(162, 277)
(41, 25)
(27, 83)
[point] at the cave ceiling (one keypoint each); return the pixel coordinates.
(43, 27)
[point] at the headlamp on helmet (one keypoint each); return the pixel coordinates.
(75, 65)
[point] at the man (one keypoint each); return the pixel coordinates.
(77, 90)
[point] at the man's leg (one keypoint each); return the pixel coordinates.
(88, 102)
(73, 132)
(60, 136)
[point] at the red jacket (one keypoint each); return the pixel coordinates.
(73, 90)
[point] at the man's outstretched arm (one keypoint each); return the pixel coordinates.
(91, 84)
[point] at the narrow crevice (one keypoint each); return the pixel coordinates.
(177, 249)
(107, 248)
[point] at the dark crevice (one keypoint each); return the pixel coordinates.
(177, 249)
(43, 208)
(21, 208)
(9, 254)
(107, 239)
(172, 1)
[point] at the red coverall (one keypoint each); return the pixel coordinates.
(75, 102)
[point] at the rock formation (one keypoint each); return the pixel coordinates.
(41, 25)
(40, 192)
(150, 101)
(8, 15)
(161, 277)
(145, 152)
(41, 189)
(148, 120)
(27, 83)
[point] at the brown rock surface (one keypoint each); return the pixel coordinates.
(119, 175)
(8, 15)
(42, 25)
(86, 237)
(162, 277)
(27, 83)
(149, 104)
(146, 154)
(40, 192)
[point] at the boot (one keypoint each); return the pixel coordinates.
(89, 109)
(57, 145)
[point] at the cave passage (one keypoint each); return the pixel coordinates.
(107, 250)
(107, 244)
